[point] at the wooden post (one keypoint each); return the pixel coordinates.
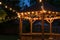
(31, 25)
(20, 27)
(51, 31)
(42, 26)
(51, 20)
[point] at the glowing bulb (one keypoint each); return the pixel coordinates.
(28, 12)
(0, 2)
(56, 12)
(25, 13)
(29, 18)
(41, 12)
(10, 8)
(34, 19)
(32, 12)
(44, 11)
(53, 12)
(49, 12)
(22, 14)
(40, 0)
(18, 15)
(13, 10)
(16, 12)
(5, 6)
(36, 13)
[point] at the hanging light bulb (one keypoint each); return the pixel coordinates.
(5, 6)
(25, 13)
(34, 19)
(44, 11)
(41, 12)
(56, 12)
(49, 12)
(10, 8)
(0, 3)
(22, 13)
(40, 0)
(32, 12)
(13, 10)
(28, 12)
(18, 14)
(36, 13)
(53, 12)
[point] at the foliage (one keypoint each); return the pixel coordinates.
(2, 15)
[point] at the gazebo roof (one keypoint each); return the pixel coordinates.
(37, 7)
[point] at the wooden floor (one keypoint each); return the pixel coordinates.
(39, 37)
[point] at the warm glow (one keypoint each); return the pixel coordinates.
(26, 17)
(34, 19)
(40, 0)
(28, 12)
(42, 7)
(32, 12)
(10, 8)
(56, 12)
(22, 14)
(29, 18)
(36, 13)
(0, 2)
(49, 12)
(13, 10)
(44, 11)
(53, 12)
(41, 12)
(18, 14)
(5, 6)
(25, 13)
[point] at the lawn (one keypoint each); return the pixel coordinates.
(8, 37)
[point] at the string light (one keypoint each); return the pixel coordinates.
(22, 13)
(29, 18)
(26, 17)
(18, 14)
(36, 13)
(0, 3)
(25, 13)
(56, 12)
(29, 13)
(40, 0)
(49, 12)
(5, 6)
(53, 12)
(32, 12)
(13, 10)
(34, 19)
(43, 11)
(10, 8)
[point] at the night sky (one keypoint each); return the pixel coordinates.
(28, 3)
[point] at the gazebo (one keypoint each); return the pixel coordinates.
(42, 15)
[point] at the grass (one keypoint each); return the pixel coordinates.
(8, 37)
